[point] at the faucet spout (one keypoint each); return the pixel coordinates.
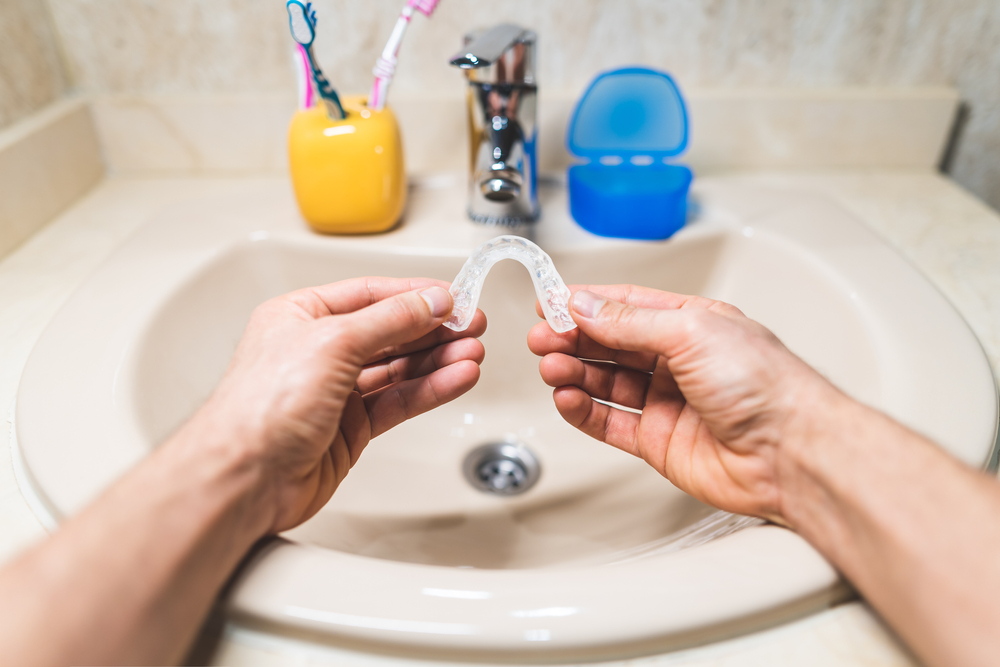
(487, 47)
(499, 65)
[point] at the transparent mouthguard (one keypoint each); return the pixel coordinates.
(552, 292)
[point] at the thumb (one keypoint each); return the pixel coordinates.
(622, 327)
(400, 319)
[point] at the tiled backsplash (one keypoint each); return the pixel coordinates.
(46, 163)
(183, 47)
(730, 129)
(31, 70)
(51, 158)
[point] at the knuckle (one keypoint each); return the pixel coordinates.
(694, 323)
(335, 331)
(610, 380)
(337, 336)
(394, 371)
(403, 404)
(370, 290)
(264, 310)
(727, 309)
(698, 302)
(765, 334)
(620, 316)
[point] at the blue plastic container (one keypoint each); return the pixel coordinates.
(627, 124)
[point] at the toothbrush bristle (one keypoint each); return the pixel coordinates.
(425, 7)
(298, 21)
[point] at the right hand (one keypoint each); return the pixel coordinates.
(720, 396)
(321, 371)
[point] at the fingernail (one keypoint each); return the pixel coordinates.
(438, 300)
(587, 304)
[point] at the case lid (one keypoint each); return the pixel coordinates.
(627, 112)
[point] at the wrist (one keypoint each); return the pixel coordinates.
(226, 470)
(812, 450)
(836, 466)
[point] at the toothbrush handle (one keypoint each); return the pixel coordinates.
(385, 67)
(304, 76)
(383, 72)
(326, 91)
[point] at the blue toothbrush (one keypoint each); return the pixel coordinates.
(302, 21)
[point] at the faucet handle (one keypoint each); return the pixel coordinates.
(502, 54)
(486, 47)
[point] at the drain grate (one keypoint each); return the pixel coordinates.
(501, 468)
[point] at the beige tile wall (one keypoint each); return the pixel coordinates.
(238, 46)
(47, 162)
(731, 129)
(31, 70)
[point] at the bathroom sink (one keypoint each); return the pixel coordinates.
(408, 556)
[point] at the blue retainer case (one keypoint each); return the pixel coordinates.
(627, 125)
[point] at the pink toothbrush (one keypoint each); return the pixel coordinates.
(385, 66)
(304, 76)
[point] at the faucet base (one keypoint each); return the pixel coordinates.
(502, 220)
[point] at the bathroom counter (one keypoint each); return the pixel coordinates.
(953, 238)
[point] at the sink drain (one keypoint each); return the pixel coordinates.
(502, 468)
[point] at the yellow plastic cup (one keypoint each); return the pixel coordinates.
(348, 175)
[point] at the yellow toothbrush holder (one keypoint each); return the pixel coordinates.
(348, 175)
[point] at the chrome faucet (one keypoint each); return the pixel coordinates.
(500, 67)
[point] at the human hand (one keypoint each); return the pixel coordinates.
(321, 371)
(720, 396)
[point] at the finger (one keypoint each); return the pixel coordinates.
(397, 320)
(398, 402)
(320, 488)
(417, 364)
(543, 340)
(347, 296)
(642, 297)
(436, 337)
(602, 422)
(635, 295)
(647, 297)
(355, 431)
(621, 327)
(607, 382)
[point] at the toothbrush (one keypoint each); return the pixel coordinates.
(302, 21)
(303, 75)
(385, 66)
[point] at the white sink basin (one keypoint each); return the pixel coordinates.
(408, 556)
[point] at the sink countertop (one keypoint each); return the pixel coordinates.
(953, 238)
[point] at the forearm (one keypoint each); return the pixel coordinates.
(131, 578)
(317, 373)
(915, 531)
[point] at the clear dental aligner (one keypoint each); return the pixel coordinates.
(549, 286)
